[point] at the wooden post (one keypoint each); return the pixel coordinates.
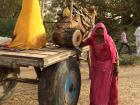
(42, 8)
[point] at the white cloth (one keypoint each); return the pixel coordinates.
(137, 32)
(138, 41)
(4, 40)
(138, 45)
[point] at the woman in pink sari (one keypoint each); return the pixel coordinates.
(103, 69)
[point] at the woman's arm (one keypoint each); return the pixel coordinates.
(86, 42)
(115, 71)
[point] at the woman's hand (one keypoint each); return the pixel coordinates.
(82, 44)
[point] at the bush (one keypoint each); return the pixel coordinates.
(7, 27)
(129, 60)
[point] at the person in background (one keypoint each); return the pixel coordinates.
(137, 34)
(103, 67)
(124, 41)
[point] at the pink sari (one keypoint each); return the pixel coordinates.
(104, 86)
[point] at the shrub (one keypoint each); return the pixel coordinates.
(129, 59)
(7, 27)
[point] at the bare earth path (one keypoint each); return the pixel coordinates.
(129, 82)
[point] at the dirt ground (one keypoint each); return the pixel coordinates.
(129, 85)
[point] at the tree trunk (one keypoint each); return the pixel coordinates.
(42, 8)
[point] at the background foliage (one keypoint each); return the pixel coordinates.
(9, 10)
(116, 14)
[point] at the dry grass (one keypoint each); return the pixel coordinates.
(129, 87)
